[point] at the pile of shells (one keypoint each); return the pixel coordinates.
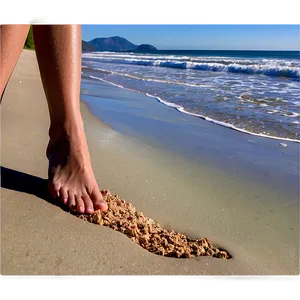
(123, 217)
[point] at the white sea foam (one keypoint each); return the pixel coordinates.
(277, 68)
(153, 79)
(181, 109)
(292, 115)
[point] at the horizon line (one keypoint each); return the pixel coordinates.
(229, 50)
(294, 50)
(196, 49)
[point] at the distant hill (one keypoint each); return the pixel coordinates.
(145, 48)
(87, 47)
(115, 43)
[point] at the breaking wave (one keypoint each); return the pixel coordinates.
(277, 68)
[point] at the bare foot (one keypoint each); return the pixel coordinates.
(71, 178)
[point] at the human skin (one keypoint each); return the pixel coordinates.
(58, 49)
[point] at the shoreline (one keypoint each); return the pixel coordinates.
(206, 118)
(166, 186)
(136, 115)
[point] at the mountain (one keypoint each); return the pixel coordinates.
(87, 47)
(145, 48)
(115, 43)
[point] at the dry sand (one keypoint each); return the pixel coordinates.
(40, 238)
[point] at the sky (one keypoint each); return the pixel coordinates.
(202, 37)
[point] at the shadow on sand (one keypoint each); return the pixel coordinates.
(25, 183)
(29, 184)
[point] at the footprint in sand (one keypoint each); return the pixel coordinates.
(123, 217)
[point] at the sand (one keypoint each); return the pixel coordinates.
(125, 218)
(40, 238)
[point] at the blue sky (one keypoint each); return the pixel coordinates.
(202, 37)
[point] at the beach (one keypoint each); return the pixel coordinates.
(207, 181)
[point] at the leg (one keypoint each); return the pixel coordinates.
(12, 40)
(71, 178)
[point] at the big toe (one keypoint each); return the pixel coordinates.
(98, 201)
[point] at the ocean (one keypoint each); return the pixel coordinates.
(257, 92)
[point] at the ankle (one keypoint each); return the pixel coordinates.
(68, 130)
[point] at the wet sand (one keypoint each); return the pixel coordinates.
(250, 219)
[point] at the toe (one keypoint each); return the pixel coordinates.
(88, 204)
(63, 195)
(98, 201)
(71, 201)
(54, 193)
(79, 204)
(56, 186)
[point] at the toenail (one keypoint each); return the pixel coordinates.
(89, 210)
(65, 200)
(80, 209)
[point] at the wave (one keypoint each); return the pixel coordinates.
(203, 59)
(245, 67)
(151, 79)
(182, 110)
(169, 57)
